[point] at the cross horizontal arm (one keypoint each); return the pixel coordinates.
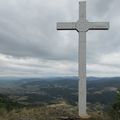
(98, 25)
(66, 26)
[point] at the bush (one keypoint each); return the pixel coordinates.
(115, 110)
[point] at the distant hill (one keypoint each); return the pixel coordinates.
(38, 91)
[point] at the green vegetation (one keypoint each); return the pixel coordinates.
(7, 105)
(115, 110)
(60, 111)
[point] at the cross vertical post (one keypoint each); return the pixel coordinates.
(82, 26)
(82, 63)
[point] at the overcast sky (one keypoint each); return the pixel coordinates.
(30, 45)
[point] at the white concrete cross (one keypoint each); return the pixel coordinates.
(82, 26)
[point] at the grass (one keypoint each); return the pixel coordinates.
(61, 111)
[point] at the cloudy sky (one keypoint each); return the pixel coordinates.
(30, 45)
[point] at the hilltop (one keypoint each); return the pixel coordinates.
(59, 111)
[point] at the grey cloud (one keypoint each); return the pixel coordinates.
(28, 29)
(99, 8)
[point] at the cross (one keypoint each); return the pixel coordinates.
(82, 26)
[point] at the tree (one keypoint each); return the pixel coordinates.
(115, 110)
